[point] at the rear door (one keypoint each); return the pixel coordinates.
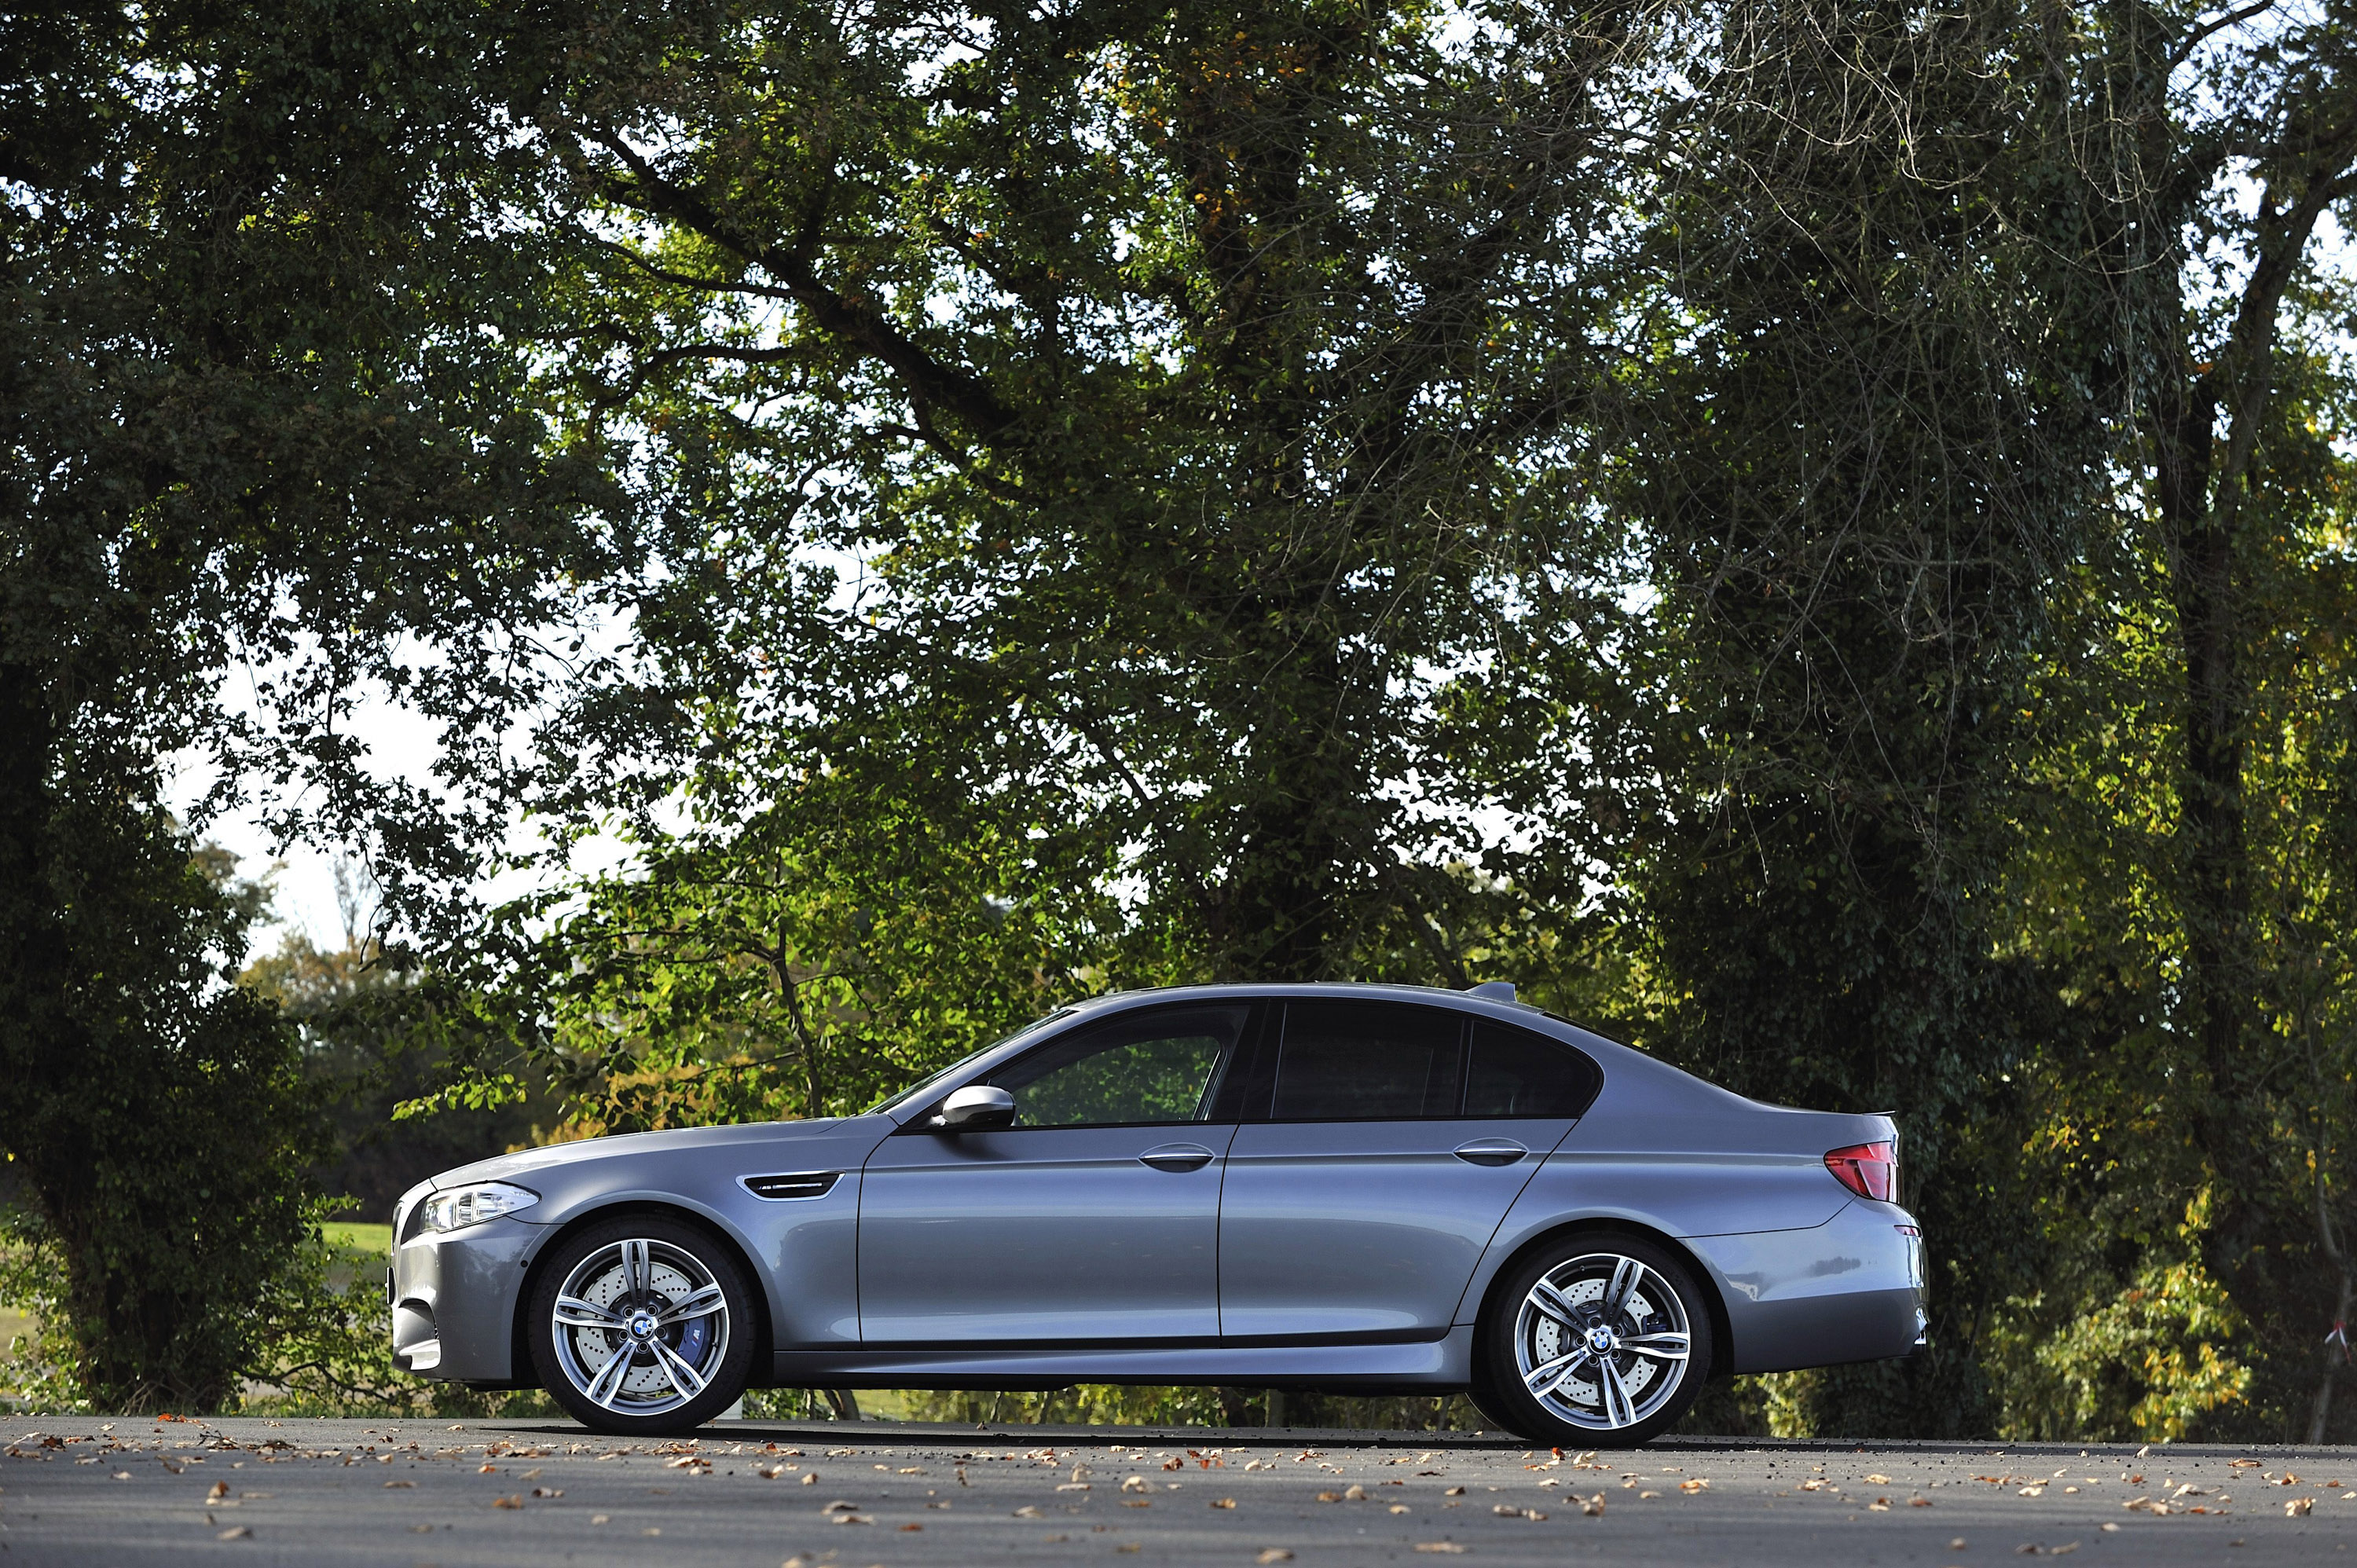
(1380, 1147)
(1094, 1218)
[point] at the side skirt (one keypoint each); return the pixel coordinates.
(1426, 1365)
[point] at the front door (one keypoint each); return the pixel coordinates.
(1093, 1220)
(1395, 1138)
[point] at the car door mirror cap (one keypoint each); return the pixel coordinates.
(976, 1107)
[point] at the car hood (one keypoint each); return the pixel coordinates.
(502, 1168)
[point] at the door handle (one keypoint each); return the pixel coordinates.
(1491, 1152)
(1179, 1157)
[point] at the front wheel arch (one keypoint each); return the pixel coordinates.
(765, 1358)
(1722, 1334)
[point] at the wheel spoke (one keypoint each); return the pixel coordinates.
(1659, 1346)
(1544, 1379)
(575, 1312)
(702, 1304)
(638, 1277)
(682, 1377)
(1626, 1272)
(1549, 1300)
(1618, 1410)
(606, 1386)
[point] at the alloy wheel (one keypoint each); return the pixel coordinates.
(641, 1328)
(1601, 1341)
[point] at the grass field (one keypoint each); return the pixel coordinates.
(373, 1239)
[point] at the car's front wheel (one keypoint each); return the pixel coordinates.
(1598, 1341)
(642, 1326)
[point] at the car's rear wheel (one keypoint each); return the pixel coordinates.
(1492, 1408)
(1599, 1341)
(642, 1326)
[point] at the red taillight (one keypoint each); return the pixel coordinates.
(1869, 1170)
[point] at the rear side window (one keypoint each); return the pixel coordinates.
(1514, 1072)
(1367, 1061)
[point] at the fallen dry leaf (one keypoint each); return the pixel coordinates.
(1877, 1480)
(1133, 1484)
(1402, 1507)
(220, 1490)
(1454, 1492)
(1696, 1484)
(513, 1502)
(2298, 1508)
(1354, 1494)
(235, 1532)
(1594, 1506)
(548, 1491)
(1027, 1512)
(1223, 1502)
(1274, 1554)
(1447, 1548)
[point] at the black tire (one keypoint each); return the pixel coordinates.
(631, 1272)
(1646, 1385)
(1492, 1409)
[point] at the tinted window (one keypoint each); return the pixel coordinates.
(1366, 1061)
(1162, 1066)
(1514, 1072)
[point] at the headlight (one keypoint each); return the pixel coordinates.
(464, 1206)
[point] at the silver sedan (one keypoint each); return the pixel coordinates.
(1361, 1188)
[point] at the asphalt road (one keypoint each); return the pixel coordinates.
(849, 1494)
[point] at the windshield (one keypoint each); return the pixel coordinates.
(917, 1091)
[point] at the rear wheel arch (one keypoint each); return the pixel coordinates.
(519, 1330)
(1722, 1335)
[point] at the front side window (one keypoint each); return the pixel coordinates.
(1162, 1065)
(916, 1092)
(1367, 1061)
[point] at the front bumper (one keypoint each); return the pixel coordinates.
(454, 1297)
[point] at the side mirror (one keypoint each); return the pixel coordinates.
(976, 1107)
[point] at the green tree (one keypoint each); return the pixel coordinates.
(267, 379)
(163, 1134)
(1132, 423)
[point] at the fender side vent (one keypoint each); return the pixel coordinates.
(803, 1184)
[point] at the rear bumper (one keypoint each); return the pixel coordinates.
(454, 1300)
(1849, 1290)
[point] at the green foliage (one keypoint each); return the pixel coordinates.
(1813, 537)
(373, 1040)
(2153, 1364)
(156, 1120)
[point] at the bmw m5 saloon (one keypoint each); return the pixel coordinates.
(1364, 1188)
